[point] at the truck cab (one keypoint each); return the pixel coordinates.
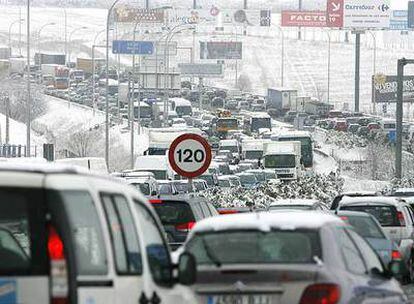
(284, 158)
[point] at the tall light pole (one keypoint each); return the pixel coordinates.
(329, 66)
(28, 103)
(93, 69)
(10, 28)
(374, 69)
(282, 55)
(70, 36)
(168, 39)
(38, 36)
(66, 33)
(108, 17)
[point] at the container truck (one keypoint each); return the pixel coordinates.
(17, 65)
(5, 52)
(49, 58)
(60, 74)
(284, 158)
(253, 148)
(280, 100)
(85, 64)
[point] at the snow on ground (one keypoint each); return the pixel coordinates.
(352, 184)
(323, 163)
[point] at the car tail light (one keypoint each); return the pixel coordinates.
(344, 218)
(155, 201)
(186, 227)
(321, 294)
(396, 255)
(227, 212)
(58, 268)
(400, 216)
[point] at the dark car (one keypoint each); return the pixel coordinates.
(353, 128)
(178, 215)
(363, 131)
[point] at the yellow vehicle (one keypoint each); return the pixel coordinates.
(225, 124)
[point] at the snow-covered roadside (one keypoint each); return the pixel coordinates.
(17, 133)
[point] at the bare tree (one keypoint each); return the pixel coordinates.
(244, 83)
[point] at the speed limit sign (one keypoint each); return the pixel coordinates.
(190, 155)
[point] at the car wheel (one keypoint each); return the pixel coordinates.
(409, 277)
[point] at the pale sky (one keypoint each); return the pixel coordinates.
(399, 4)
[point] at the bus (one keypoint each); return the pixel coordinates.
(305, 139)
(181, 106)
(253, 122)
(225, 124)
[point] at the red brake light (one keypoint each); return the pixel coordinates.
(396, 255)
(186, 227)
(344, 218)
(55, 245)
(321, 294)
(400, 216)
(58, 268)
(155, 201)
(227, 211)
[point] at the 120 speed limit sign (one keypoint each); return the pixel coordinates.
(190, 155)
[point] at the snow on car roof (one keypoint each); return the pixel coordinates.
(305, 202)
(265, 221)
(372, 200)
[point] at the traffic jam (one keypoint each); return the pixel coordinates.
(179, 179)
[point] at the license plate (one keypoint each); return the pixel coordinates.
(241, 299)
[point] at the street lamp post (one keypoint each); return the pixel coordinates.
(70, 36)
(108, 17)
(329, 66)
(28, 103)
(93, 70)
(66, 33)
(282, 64)
(38, 36)
(374, 69)
(10, 28)
(168, 39)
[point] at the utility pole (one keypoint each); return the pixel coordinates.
(300, 29)
(20, 31)
(28, 102)
(7, 100)
(200, 92)
(400, 81)
(357, 68)
(194, 4)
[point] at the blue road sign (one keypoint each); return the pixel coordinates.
(398, 24)
(131, 47)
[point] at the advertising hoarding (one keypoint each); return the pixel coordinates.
(221, 50)
(359, 14)
(384, 89)
(304, 18)
(131, 14)
(201, 69)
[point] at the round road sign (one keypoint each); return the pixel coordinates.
(190, 155)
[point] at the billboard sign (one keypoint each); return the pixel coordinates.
(304, 18)
(216, 16)
(201, 70)
(221, 50)
(384, 89)
(131, 47)
(135, 15)
(359, 14)
(410, 15)
(160, 48)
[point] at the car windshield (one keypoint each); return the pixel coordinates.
(165, 189)
(253, 154)
(173, 212)
(224, 183)
(248, 179)
(232, 149)
(280, 161)
(256, 247)
(183, 187)
(143, 187)
(385, 215)
(365, 226)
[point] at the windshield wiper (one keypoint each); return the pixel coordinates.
(211, 255)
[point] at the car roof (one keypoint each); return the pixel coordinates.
(265, 221)
(372, 200)
(295, 201)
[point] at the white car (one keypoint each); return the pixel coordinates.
(67, 236)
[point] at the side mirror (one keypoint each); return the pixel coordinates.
(187, 269)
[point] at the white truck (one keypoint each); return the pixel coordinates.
(160, 139)
(156, 164)
(253, 148)
(284, 158)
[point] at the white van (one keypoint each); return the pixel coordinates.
(72, 237)
(156, 164)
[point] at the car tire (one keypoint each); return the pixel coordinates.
(409, 277)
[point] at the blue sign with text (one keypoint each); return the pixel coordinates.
(130, 47)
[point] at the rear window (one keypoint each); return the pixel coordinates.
(165, 189)
(173, 213)
(22, 248)
(256, 247)
(365, 226)
(293, 207)
(143, 187)
(385, 215)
